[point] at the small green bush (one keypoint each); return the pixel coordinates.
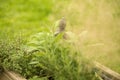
(45, 56)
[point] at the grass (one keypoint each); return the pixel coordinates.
(24, 16)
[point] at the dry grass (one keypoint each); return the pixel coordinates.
(98, 22)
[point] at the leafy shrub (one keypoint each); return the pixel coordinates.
(45, 56)
(8, 49)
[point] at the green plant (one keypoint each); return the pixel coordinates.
(46, 56)
(57, 58)
(8, 49)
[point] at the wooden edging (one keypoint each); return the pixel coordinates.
(9, 75)
(106, 73)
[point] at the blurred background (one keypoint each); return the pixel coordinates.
(95, 21)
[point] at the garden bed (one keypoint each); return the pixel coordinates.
(103, 72)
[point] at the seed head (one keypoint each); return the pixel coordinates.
(62, 24)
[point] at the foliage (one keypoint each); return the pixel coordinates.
(8, 49)
(46, 56)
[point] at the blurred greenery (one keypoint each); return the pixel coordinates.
(23, 16)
